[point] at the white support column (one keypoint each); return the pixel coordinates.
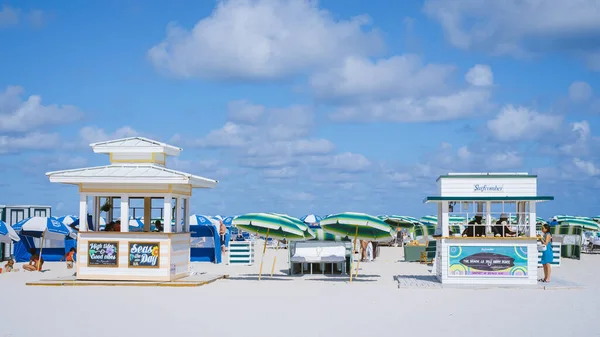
(96, 213)
(83, 211)
(438, 228)
(488, 217)
(124, 213)
(186, 214)
(532, 218)
(445, 219)
(167, 212)
(178, 214)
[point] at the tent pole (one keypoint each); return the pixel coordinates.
(39, 264)
(352, 256)
(263, 256)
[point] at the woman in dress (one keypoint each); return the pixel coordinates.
(547, 255)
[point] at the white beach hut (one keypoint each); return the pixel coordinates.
(487, 255)
(137, 170)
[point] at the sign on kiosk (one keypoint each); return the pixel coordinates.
(487, 188)
(144, 254)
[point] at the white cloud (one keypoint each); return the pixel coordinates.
(37, 18)
(17, 115)
(61, 161)
(283, 172)
(521, 28)
(474, 158)
(458, 105)
(300, 147)
(480, 76)
(574, 140)
(520, 123)
(93, 134)
(29, 141)
(429, 99)
(262, 39)
(9, 16)
(587, 167)
(348, 162)
(244, 112)
(360, 78)
(269, 127)
(580, 92)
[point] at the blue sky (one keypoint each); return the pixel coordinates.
(303, 106)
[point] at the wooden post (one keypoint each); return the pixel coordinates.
(275, 258)
(262, 259)
(39, 264)
(352, 256)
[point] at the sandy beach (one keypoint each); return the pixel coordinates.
(314, 305)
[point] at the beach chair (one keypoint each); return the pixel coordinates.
(429, 254)
(317, 252)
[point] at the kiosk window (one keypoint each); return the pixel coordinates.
(16, 215)
(39, 212)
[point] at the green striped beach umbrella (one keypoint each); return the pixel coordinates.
(358, 225)
(271, 225)
(320, 235)
(453, 219)
(564, 229)
(309, 234)
(456, 223)
(399, 220)
(588, 225)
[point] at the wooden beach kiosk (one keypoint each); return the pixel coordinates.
(493, 249)
(137, 170)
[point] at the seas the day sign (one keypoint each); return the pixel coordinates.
(103, 254)
(486, 261)
(144, 254)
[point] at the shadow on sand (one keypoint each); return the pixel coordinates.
(427, 278)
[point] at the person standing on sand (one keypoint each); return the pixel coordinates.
(547, 255)
(363, 249)
(222, 234)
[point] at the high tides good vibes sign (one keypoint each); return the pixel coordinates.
(103, 254)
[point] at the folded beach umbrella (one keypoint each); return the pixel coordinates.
(271, 225)
(358, 225)
(7, 233)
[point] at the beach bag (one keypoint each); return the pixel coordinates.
(541, 247)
